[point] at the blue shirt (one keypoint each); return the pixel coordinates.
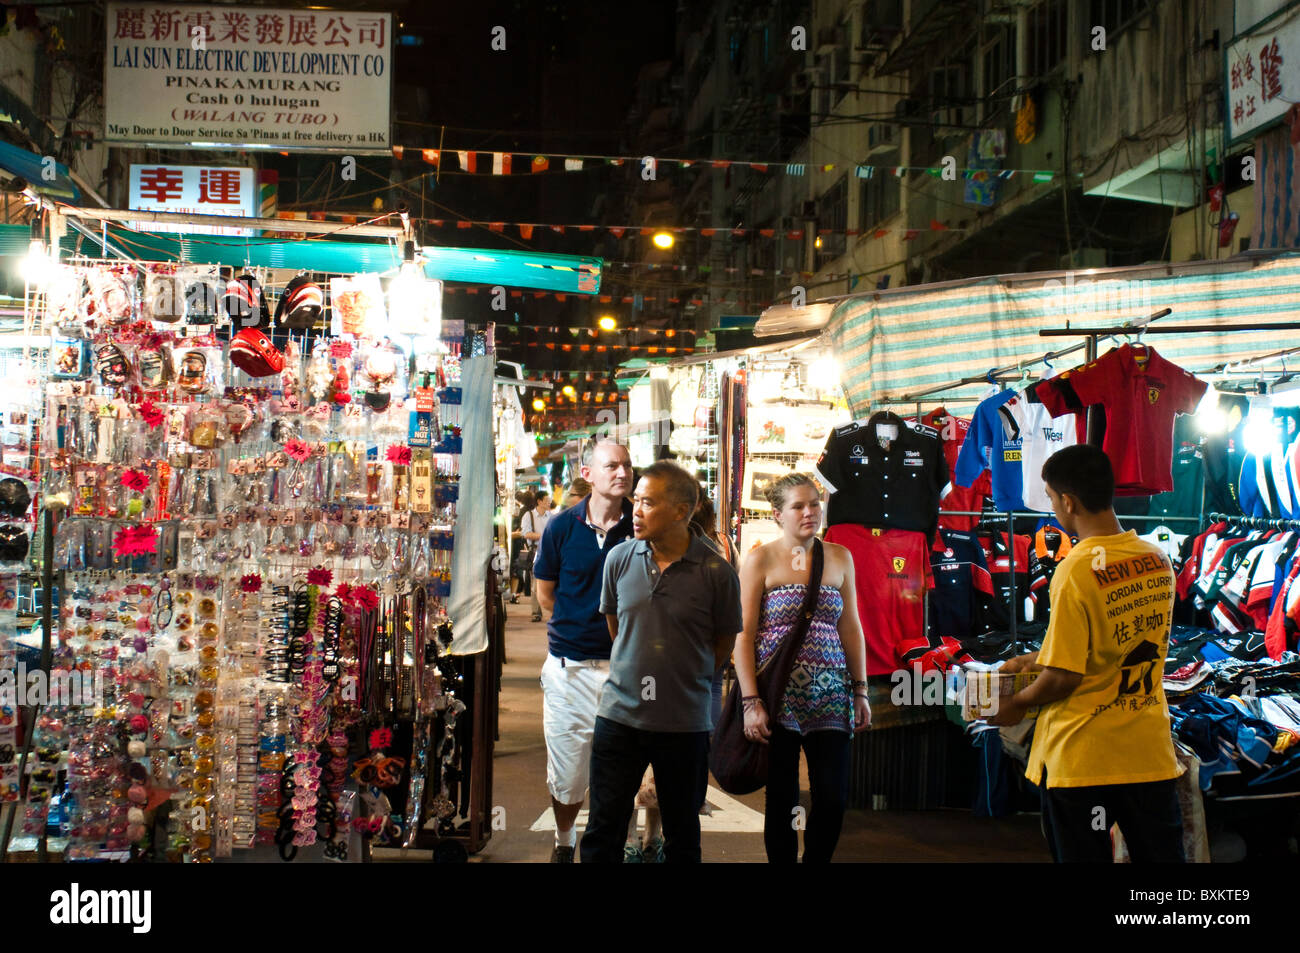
(661, 671)
(570, 556)
(994, 443)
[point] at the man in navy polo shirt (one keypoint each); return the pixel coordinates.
(568, 574)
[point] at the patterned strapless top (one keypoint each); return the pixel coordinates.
(817, 697)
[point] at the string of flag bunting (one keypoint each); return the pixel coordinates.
(512, 163)
(528, 229)
(600, 298)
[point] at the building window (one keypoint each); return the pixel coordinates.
(998, 58)
(881, 22)
(833, 214)
(880, 196)
(1047, 25)
(1115, 15)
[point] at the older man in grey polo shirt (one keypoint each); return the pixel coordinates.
(673, 607)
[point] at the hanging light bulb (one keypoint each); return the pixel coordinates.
(663, 239)
(608, 322)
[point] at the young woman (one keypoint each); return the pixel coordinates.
(822, 706)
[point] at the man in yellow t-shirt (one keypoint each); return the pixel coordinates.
(1102, 752)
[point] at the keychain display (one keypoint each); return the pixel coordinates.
(253, 566)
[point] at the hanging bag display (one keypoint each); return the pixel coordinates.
(740, 765)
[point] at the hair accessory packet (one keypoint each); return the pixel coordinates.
(197, 368)
(163, 298)
(112, 365)
(111, 296)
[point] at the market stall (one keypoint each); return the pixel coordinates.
(1194, 406)
(238, 558)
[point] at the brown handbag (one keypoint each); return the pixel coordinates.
(738, 764)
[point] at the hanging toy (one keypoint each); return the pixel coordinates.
(320, 376)
(340, 388)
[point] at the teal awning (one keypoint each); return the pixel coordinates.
(32, 169)
(572, 274)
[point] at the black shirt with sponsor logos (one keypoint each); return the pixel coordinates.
(879, 482)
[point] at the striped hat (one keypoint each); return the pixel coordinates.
(301, 305)
(245, 304)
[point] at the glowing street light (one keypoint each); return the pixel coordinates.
(607, 322)
(663, 240)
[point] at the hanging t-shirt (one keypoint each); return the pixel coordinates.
(965, 499)
(1188, 473)
(1142, 393)
(1110, 624)
(998, 557)
(1168, 542)
(961, 577)
(993, 443)
(881, 480)
(1041, 435)
(890, 579)
(1223, 455)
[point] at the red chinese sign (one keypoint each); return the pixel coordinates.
(1260, 86)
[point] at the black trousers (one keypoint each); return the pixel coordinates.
(619, 756)
(828, 782)
(1077, 822)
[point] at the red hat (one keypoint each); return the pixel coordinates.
(254, 354)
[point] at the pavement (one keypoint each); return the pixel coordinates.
(734, 829)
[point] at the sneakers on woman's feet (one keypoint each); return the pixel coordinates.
(562, 855)
(633, 854)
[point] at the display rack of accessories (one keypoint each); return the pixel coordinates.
(242, 532)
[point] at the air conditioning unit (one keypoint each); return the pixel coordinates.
(881, 137)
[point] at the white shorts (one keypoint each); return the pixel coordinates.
(570, 694)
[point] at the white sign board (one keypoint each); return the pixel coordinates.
(1262, 73)
(194, 190)
(198, 76)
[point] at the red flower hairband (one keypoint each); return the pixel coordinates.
(151, 415)
(251, 582)
(400, 454)
(319, 577)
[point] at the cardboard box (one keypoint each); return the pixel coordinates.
(982, 692)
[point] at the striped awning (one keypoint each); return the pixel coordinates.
(895, 344)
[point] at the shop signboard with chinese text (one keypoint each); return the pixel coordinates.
(194, 190)
(1262, 75)
(214, 76)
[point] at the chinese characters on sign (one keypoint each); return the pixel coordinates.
(1263, 72)
(218, 76)
(194, 190)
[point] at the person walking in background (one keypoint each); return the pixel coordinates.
(524, 501)
(825, 701)
(673, 609)
(569, 570)
(578, 490)
(533, 525)
(1102, 746)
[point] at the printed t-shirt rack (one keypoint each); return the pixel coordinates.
(263, 594)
